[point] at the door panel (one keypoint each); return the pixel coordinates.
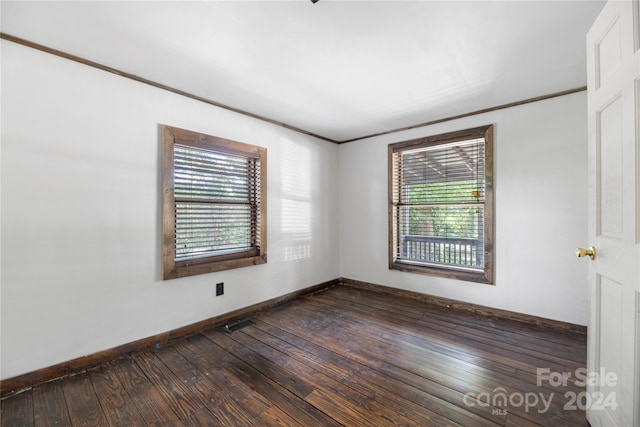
(637, 119)
(608, 52)
(613, 92)
(609, 166)
(637, 385)
(636, 24)
(610, 328)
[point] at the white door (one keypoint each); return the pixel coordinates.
(613, 58)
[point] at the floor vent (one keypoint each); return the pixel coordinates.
(238, 325)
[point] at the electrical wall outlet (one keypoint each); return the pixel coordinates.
(219, 289)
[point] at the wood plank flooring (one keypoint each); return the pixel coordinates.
(343, 356)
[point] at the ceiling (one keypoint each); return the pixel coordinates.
(338, 69)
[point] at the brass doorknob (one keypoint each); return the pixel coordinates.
(591, 252)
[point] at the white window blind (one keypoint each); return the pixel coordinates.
(217, 203)
(214, 203)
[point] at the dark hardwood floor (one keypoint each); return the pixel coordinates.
(343, 356)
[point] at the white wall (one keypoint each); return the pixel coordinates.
(540, 190)
(80, 186)
(81, 261)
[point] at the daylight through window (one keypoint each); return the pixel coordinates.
(214, 207)
(442, 205)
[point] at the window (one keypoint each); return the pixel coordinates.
(214, 207)
(441, 205)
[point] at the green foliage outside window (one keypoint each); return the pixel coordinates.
(460, 221)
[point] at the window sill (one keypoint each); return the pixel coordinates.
(184, 269)
(449, 273)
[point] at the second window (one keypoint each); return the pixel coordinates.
(441, 205)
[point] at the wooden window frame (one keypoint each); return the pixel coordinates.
(258, 255)
(486, 275)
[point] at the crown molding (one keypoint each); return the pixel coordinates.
(80, 60)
